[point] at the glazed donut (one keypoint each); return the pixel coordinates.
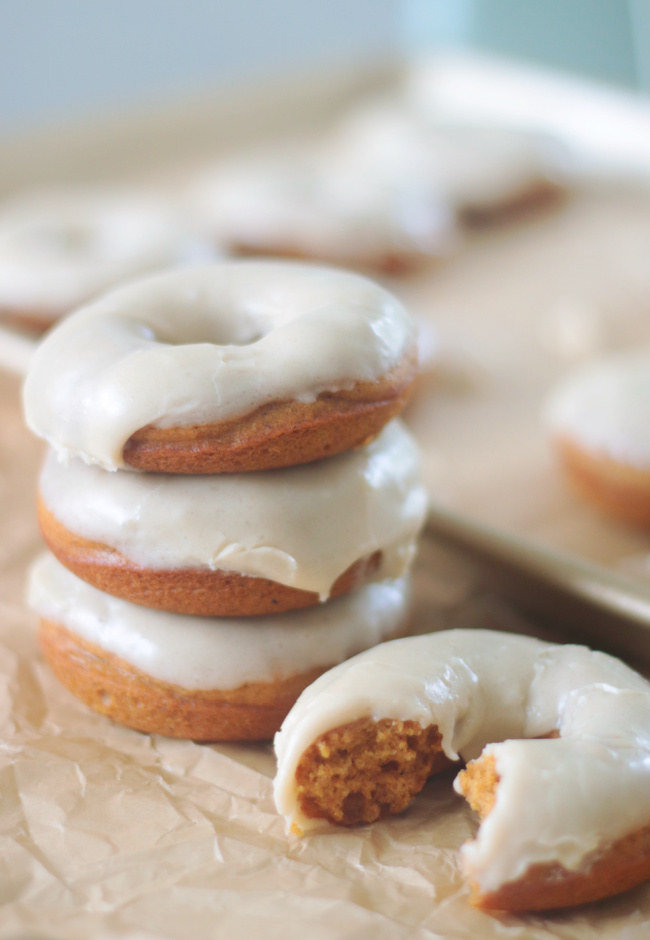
(197, 677)
(239, 544)
(567, 815)
(321, 204)
(483, 173)
(599, 418)
(60, 248)
(223, 368)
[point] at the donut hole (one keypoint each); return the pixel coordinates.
(215, 330)
(366, 770)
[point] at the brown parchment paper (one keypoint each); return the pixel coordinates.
(107, 833)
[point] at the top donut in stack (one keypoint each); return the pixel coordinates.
(228, 383)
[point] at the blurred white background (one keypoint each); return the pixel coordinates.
(68, 59)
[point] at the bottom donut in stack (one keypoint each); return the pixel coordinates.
(204, 678)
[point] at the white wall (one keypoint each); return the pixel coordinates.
(69, 58)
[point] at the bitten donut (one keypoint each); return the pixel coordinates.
(60, 248)
(239, 544)
(599, 418)
(566, 811)
(195, 677)
(224, 368)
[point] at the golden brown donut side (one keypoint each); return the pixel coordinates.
(612, 487)
(388, 263)
(112, 687)
(29, 320)
(280, 434)
(198, 591)
(541, 194)
(617, 868)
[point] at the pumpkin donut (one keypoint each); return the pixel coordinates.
(564, 793)
(239, 544)
(327, 205)
(60, 248)
(224, 368)
(484, 173)
(209, 679)
(599, 418)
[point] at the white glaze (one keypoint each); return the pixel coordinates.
(207, 344)
(321, 203)
(219, 653)
(59, 248)
(303, 526)
(555, 797)
(605, 408)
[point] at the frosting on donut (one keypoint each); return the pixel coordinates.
(302, 526)
(218, 653)
(555, 797)
(605, 408)
(59, 248)
(208, 344)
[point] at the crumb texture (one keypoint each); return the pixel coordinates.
(478, 782)
(367, 769)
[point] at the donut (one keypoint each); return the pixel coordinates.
(599, 419)
(483, 173)
(239, 544)
(59, 248)
(318, 203)
(211, 679)
(223, 368)
(558, 744)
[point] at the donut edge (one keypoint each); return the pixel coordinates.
(106, 683)
(616, 489)
(279, 434)
(114, 688)
(621, 866)
(201, 592)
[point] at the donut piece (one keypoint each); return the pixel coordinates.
(565, 794)
(224, 368)
(242, 544)
(326, 205)
(59, 248)
(197, 677)
(599, 418)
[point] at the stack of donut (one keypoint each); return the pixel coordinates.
(230, 505)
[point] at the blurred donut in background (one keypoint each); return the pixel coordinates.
(325, 202)
(482, 172)
(598, 418)
(61, 247)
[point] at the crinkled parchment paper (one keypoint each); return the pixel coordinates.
(108, 833)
